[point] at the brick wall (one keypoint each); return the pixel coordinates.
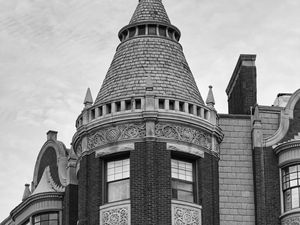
(243, 94)
(236, 172)
(70, 205)
(89, 190)
(267, 187)
(208, 189)
(150, 181)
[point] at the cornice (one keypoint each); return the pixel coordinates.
(48, 196)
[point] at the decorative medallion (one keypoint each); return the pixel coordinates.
(118, 133)
(115, 216)
(112, 135)
(182, 133)
(186, 216)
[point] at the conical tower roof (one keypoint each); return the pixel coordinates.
(150, 10)
(149, 49)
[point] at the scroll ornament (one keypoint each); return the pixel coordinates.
(118, 133)
(182, 133)
(186, 216)
(115, 216)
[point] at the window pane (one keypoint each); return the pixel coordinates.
(118, 190)
(185, 186)
(53, 216)
(185, 196)
(182, 170)
(53, 222)
(117, 170)
(36, 219)
(46, 222)
(295, 198)
(44, 217)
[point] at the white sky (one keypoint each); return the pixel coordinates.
(52, 50)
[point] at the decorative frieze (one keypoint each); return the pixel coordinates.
(117, 133)
(183, 133)
(294, 220)
(115, 214)
(186, 214)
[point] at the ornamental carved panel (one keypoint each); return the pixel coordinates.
(117, 133)
(115, 216)
(182, 133)
(186, 216)
(295, 220)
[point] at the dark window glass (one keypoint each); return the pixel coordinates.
(128, 105)
(191, 108)
(152, 29)
(181, 106)
(172, 105)
(108, 108)
(131, 32)
(162, 31)
(118, 106)
(142, 30)
(138, 104)
(170, 33)
(100, 111)
(161, 103)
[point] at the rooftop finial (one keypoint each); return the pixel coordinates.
(27, 192)
(88, 101)
(210, 100)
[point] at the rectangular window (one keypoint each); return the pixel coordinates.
(182, 180)
(117, 178)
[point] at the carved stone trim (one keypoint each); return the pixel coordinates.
(292, 220)
(117, 133)
(115, 214)
(185, 213)
(183, 133)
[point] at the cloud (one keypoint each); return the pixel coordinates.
(51, 51)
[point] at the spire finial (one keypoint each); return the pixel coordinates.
(210, 100)
(88, 100)
(27, 192)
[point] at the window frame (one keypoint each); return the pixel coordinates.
(105, 176)
(194, 182)
(46, 213)
(287, 187)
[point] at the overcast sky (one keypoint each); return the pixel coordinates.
(52, 50)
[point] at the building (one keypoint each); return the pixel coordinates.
(149, 150)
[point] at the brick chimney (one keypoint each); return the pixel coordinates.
(241, 90)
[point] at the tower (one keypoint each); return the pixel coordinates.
(148, 146)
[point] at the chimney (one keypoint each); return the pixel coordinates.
(241, 90)
(52, 135)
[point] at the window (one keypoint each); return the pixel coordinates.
(290, 186)
(46, 219)
(182, 180)
(117, 178)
